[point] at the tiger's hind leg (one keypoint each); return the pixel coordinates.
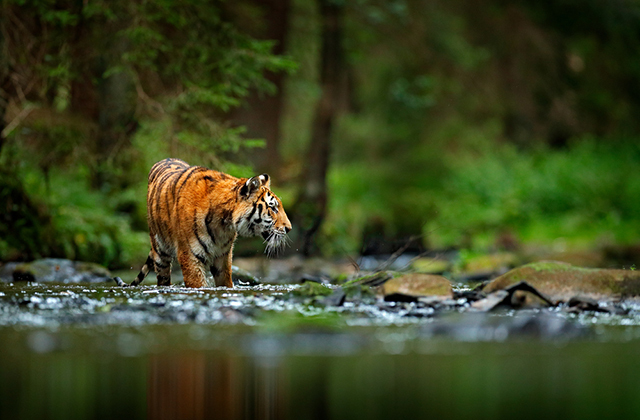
(163, 272)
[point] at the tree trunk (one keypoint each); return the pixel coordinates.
(108, 100)
(4, 79)
(310, 208)
(116, 113)
(261, 113)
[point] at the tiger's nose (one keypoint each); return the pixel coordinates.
(287, 229)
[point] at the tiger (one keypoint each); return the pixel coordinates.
(195, 215)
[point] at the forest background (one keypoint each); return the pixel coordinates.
(441, 124)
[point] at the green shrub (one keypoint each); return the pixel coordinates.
(584, 193)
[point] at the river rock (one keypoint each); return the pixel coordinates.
(6, 271)
(417, 285)
(55, 270)
(243, 277)
(562, 281)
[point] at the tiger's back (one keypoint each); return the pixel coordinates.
(195, 214)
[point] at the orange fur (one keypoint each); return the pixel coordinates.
(195, 215)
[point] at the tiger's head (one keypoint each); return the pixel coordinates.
(263, 214)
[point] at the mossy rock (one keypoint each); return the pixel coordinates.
(562, 281)
(418, 285)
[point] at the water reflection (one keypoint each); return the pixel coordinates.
(431, 379)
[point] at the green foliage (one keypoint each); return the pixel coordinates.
(584, 193)
(24, 225)
(588, 192)
(61, 216)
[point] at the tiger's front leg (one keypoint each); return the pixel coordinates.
(221, 270)
(192, 270)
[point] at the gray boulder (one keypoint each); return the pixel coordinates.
(56, 270)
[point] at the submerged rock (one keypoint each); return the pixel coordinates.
(56, 270)
(243, 277)
(562, 281)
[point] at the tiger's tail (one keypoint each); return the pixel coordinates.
(148, 265)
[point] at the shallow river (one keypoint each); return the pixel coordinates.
(102, 352)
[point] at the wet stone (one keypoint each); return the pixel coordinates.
(242, 277)
(6, 271)
(415, 285)
(54, 270)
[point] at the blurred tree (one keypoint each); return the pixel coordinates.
(4, 79)
(261, 113)
(310, 207)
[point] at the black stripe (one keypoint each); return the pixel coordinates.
(170, 195)
(190, 172)
(199, 257)
(160, 252)
(158, 168)
(162, 265)
(195, 231)
(182, 174)
(214, 270)
(158, 192)
(207, 221)
(172, 188)
(253, 210)
(141, 275)
(226, 217)
(149, 262)
(119, 282)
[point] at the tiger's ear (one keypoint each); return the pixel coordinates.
(266, 181)
(253, 184)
